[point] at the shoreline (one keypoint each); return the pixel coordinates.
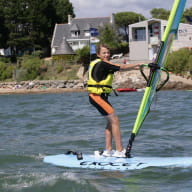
(41, 86)
(129, 79)
(5, 91)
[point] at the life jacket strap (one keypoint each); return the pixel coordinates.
(99, 86)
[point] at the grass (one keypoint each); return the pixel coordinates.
(60, 71)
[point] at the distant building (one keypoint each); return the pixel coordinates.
(5, 52)
(77, 32)
(145, 36)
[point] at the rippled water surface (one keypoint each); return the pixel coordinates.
(33, 126)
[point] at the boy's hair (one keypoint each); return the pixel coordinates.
(99, 46)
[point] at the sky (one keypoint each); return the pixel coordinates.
(104, 8)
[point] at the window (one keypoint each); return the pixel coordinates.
(75, 33)
(87, 33)
(139, 34)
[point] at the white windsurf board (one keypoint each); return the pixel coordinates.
(112, 163)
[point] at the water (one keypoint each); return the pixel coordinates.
(33, 126)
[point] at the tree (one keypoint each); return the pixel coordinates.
(178, 61)
(108, 36)
(3, 29)
(63, 9)
(44, 16)
(17, 24)
(189, 65)
(160, 13)
(30, 24)
(123, 19)
(187, 12)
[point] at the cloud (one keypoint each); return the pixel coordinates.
(96, 8)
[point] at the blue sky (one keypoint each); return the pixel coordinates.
(96, 8)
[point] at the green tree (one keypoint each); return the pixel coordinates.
(187, 12)
(189, 65)
(83, 57)
(30, 24)
(63, 9)
(108, 35)
(123, 19)
(17, 23)
(31, 65)
(160, 13)
(178, 61)
(5, 71)
(3, 29)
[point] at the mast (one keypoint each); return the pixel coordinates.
(155, 69)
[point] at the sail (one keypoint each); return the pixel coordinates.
(157, 67)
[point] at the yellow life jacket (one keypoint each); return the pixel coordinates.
(104, 86)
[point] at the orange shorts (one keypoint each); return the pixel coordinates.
(101, 103)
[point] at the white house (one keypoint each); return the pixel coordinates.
(77, 32)
(5, 52)
(145, 36)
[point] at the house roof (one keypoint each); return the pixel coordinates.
(64, 48)
(77, 24)
(74, 27)
(147, 21)
(87, 27)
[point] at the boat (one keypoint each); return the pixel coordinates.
(126, 89)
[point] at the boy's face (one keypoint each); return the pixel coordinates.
(104, 54)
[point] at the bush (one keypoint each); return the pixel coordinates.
(108, 35)
(5, 60)
(59, 68)
(63, 59)
(6, 71)
(32, 66)
(179, 61)
(83, 56)
(123, 47)
(189, 65)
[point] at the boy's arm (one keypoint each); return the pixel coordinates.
(126, 66)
